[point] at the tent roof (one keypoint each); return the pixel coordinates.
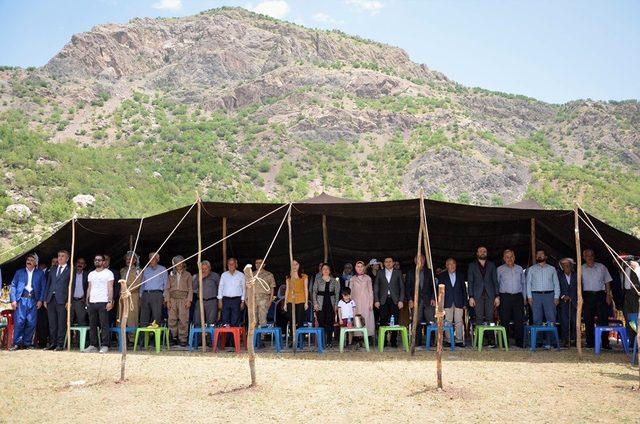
(356, 230)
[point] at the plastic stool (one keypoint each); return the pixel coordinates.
(617, 328)
(384, 329)
(498, 330)
(238, 333)
(434, 328)
(83, 330)
(276, 336)
(158, 332)
(531, 334)
(345, 330)
(118, 331)
(198, 330)
(317, 331)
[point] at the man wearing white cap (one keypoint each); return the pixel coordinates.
(26, 294)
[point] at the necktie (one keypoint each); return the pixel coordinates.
(59, 271)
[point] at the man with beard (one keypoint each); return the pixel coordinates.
(26, 295)
(543, 292)
(483, 287)
(596, 292)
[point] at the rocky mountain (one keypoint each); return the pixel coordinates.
(246, 107)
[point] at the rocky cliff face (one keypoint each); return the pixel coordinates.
(351, 116)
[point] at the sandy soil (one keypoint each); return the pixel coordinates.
(489, 386)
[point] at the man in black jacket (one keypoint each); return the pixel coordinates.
(388, 295)
(79, 285)
(483, 287)
(426, 298)
(455, 298)
(568, 301)
(56, 301)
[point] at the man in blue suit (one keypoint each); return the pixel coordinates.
(568, 301)
(56, 301)
(26, 294)
(455, 298)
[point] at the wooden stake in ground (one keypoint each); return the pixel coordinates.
(251, 296)
(533, 241)
(125, 299)
(200, 300)
(224, 243)
(73, 251)
(579, 281)
(416, 294)
(325, 239)
(291, 288)
(440, 316)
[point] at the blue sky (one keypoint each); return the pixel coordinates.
(551, 50)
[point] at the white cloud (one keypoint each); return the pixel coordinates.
(324, 18)
(168, 5)
(371, 6)
(275, 8)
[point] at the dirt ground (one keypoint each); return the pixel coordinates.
(515, 386)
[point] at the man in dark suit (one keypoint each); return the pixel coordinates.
(56, 301)
(455, 298)
(388, 295)
(426, 299)
(568, 301)
(483, 287)
(79, 285)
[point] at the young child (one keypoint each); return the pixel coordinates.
(346, 308)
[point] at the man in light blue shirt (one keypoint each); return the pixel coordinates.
(511, 282)
(154, 281)
(543, 292)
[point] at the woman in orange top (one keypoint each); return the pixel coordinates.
(297, 293)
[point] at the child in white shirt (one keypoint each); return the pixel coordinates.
(346, 308)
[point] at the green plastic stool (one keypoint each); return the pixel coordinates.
(383, 330)
(83, 336)
(498, 331)
(345, 330)
(158, 332)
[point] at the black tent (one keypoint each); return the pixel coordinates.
(356, 230)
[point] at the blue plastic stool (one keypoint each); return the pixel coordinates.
(531, 334)
(118, 331)
(618, 329)
(317, 331)
(276, 336)
(198, 330)
(433, 328)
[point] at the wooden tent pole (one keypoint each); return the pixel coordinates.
(325, 238)
(579, 280)
(416, 286)
(533, 240)
(439, 293)
(224, 243)
(200, 285)
(440, 314)
(71, 258)
(291, 288)
(124, 308)
(251, 295)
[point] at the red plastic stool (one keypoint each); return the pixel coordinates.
(238, 337)
(7, 332)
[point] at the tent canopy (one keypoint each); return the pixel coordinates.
(356, 231)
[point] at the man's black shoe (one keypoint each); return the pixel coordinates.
(50, 347)
(16, 347)
(59, 348)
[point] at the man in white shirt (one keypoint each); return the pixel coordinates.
(100, 302)
(596, 293)
(231, 292)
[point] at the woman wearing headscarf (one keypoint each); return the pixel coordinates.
(326, 294)
(178, 295)
(132, 275)
(362, 295)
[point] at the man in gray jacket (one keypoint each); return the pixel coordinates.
(484, 293)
